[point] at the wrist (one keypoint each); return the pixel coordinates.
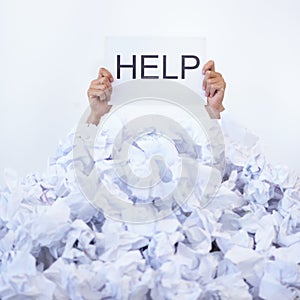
(213, 111)
(94, 118)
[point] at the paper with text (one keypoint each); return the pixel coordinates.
(169, 58)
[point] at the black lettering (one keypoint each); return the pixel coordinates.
(165, 76)
(143, 67)
(184, 67)
(119, 66)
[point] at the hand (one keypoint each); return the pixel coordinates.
(214, 87)
(99, 94)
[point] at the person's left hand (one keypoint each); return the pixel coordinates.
(214, 86)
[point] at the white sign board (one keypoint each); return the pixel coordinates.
(169, 58)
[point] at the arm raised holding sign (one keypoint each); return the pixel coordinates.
(100, 91)
(99, 94)
(214, 86)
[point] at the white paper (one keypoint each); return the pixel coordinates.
(173, 48)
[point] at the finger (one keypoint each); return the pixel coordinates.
(107, 93)
(213, 78)
(218, 82)
(212, 90)
(212, 74)
(207, 90)
(96, 93)
(105, 73)
(102, 92)
(205, 80)
(220, 96)
(211, 86)
(208, 75)
(105, 80)
(204, 83)
(98, 86)
(101, 87)
(209, 66)
(102, 80)
(217, 89)
(219, 85)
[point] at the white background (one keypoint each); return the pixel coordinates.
(50, 50)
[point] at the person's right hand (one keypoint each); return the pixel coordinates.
(99, 94)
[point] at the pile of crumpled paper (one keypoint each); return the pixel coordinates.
(245, 244)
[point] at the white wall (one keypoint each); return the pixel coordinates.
(50, 50)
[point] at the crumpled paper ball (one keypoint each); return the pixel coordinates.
(245, 244)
